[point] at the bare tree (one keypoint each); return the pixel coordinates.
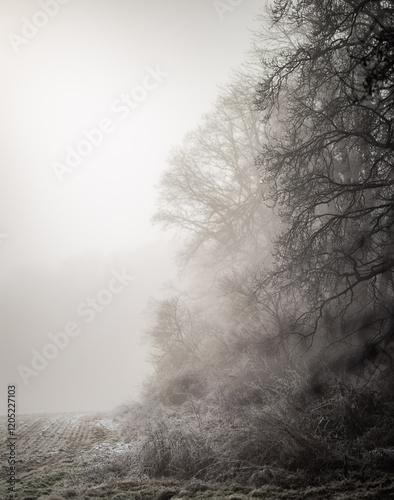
(212, 190)
(329, 158)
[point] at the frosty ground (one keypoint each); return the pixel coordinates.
(61, 456)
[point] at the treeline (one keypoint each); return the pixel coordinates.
(276, 360)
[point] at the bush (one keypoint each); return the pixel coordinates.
(281, 432)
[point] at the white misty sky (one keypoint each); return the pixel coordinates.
(62, 82)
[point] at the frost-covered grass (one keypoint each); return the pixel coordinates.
(263, 428)
(90, 465)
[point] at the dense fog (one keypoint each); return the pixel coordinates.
(64, 228)
(197, 233)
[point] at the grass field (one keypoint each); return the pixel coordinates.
(74, 456)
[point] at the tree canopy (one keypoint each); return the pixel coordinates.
(328, 159)
(211, 189)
